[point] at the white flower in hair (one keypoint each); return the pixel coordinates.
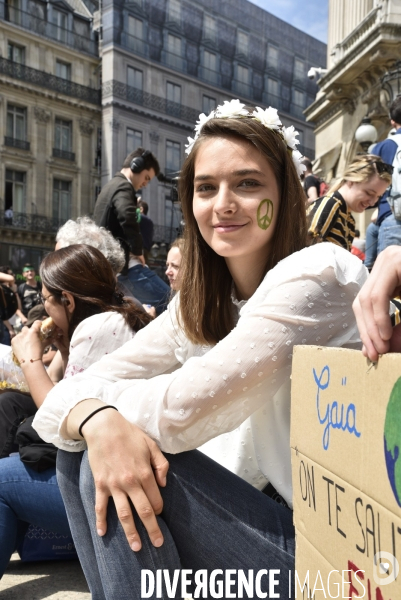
(290, 136)
(269, 117)
(232, 108)
(202, 120)
(297, 157)
(188, 147)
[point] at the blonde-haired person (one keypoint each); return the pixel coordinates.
(360, 187)
(173, 264)
(218, 361)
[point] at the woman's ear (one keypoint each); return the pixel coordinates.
(69, 301)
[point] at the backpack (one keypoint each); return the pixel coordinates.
(8, 302)
(394, 197)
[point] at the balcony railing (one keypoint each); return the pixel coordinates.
(57, 153)
(32, 222)
(39, 25)
(48, 81)
(15, 143)
(157, 103)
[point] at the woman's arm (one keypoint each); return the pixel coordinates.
(28, 348)
(324, 216)
(300, 302)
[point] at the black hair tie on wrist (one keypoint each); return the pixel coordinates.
(119, 296)
(91, 415)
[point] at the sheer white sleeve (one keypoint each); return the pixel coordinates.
(306, 299)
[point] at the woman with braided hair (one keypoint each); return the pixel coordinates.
(213, 371)
(91, 318)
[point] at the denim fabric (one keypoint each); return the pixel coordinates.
(211, 519)
(27, 497)
(389, 233)
(372, 234)
(147, 287)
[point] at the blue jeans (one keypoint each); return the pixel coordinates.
(372, 234)
(147, 287)
(390, 233)
(27, 497)
(211, 519)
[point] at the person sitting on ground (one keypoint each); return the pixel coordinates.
(360, 187)
(173, 263)
(29, 292)
(85, 231)
(216, 363)
(93, 318)
(310, 182)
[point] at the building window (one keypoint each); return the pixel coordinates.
(174, 44)
(208, 104)
(135, 78)
(209, 29)
(135, 27)
(209, 60)
(272, 56)
(61, 200)
(16, 122)
(173, 93)
(299, 69)
(63, 70)
(174, 11)
(173, 157)
(273, 87)
(63, 140)
(134, 139)
(15, 191)
(59, 20)
(243, 74)
(16, 53)
(242, 43)
(298, 98)
(13, 11)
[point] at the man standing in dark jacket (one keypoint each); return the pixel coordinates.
(116, 210)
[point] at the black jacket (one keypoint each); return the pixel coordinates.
(115, 209)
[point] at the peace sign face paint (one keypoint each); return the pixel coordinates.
(265, 214)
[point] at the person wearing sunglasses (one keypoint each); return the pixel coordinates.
(360, 187)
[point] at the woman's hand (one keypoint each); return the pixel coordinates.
(126, 464)
(371, 306)
(27, 344)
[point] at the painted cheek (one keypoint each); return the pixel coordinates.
(264, 215)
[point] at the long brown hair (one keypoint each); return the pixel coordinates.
(84, 272)
(205, 304)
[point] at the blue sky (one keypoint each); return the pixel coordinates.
(308, 15)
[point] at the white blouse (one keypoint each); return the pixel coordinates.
(95, 337)
(183, 395)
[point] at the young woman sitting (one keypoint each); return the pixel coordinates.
(363, 182)
(92, 319)
(216, 364)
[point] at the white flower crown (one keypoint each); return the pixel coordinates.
(234, 109)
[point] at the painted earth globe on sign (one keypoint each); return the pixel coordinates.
(392, 440)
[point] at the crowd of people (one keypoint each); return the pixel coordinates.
(172, 433)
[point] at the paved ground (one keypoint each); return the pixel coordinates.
(52, 580)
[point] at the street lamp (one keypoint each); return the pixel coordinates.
(366, 134)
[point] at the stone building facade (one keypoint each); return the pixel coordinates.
(50, 120)
(166, 61)
(363, 77)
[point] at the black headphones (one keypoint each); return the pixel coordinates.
(138, 163)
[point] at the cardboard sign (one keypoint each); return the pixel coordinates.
(346, 468)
